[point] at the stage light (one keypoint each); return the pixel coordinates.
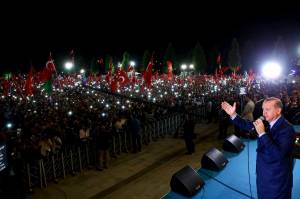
(132, 63)
(69, 65)
(271, 70)
(8, 125)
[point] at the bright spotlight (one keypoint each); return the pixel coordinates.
(82, 71)
(271, 70)
(191, 66)
(183, 66)
(69, 65)
(132, 63)
(9, 125)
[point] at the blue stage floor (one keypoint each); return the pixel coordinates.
(234, 178)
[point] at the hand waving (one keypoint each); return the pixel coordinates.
(230, 110)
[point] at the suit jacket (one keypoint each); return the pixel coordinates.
(274, 161)
(188, 129)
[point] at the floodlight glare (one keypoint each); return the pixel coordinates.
(69, 65)
(271, 70)
(9, 125)
(132, 63)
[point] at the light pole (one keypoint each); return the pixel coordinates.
(183, 68)
(82, 71)
(187, 69)
(191, 68)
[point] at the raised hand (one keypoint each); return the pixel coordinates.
(230, 110)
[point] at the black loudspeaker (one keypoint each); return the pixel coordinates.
(213, 160)
(186, 182)
(233, 144)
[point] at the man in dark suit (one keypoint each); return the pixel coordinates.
(274, 163)
(189, 135)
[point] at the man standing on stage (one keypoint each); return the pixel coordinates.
(274, 163)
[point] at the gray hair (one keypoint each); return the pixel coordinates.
(278, 103)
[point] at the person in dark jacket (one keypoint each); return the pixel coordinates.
(102, 136)
(223, 124)
(134, 127)
(274, 162)
(189, 135)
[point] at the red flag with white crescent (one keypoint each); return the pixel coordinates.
(170, 69)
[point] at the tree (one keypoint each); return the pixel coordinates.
(234, 58)
(107, 61)
(247, 51)
(199, 59)
(93, 66)
(145, 61)
(212, 59)
(79, 62)
(170, 56)
(125, 61)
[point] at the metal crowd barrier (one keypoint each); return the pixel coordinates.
(74, 158)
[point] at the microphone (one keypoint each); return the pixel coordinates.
(265, 124)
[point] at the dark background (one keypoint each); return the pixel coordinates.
(30, 32)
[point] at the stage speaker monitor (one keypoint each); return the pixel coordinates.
(233, 144)
(186, 182)
(213, 160)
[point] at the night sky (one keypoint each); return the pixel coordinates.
(93, 32)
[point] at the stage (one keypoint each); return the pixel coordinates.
(233, 181)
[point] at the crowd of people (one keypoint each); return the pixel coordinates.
(80, 108)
